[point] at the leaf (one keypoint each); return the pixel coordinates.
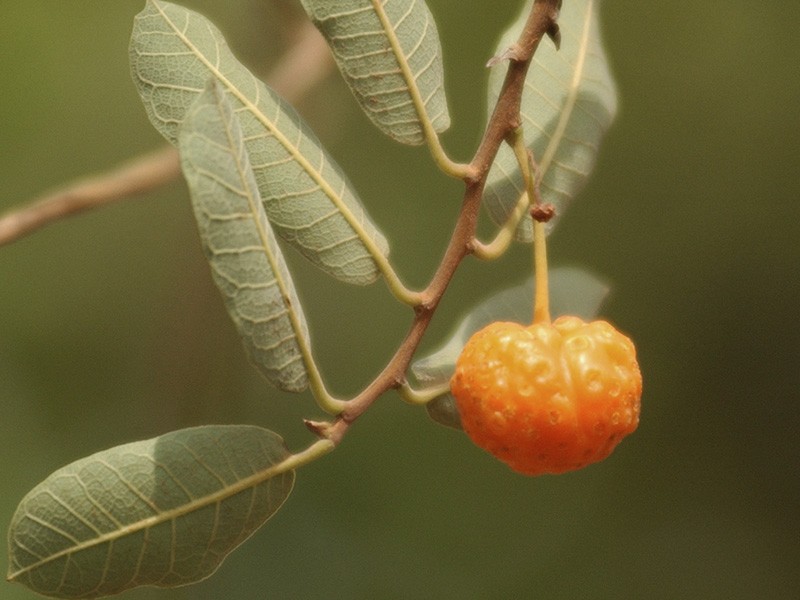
(246, 261)
(572, 291)
(162, 512)
(310, 203)
(390, 55)
(444, 411)
(569, 102)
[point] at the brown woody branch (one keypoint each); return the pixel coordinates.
(307, 62)
(136, 177)
(543, 21)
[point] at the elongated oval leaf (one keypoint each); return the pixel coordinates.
(162, 512)
(246, 261)
(310, 203)
(569, 102)
(390, 55)
(572, 291)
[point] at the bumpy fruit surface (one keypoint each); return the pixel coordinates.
(549, 397)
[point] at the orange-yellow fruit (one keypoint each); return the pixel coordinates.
(549, 397)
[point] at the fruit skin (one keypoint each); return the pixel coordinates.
(549, 397)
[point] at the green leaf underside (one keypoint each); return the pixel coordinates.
(572, 291)
(246, 262)
(163, 512)
(568, 104)
(388, 52)
(310, 203)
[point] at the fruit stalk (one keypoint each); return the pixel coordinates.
(540, 214)
(541, 302)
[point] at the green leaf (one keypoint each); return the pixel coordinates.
(246, 262)
(569, 102)
(390, 55)
(310, 203)
(572, 291)
(162, 512)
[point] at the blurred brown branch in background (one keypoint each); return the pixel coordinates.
(304, 64)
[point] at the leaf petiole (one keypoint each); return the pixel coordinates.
(398, 289)
(424, 395)
(325, 400)
(505, 235)
(316, 450)
(440, 157)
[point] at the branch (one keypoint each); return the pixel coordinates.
(304, 65)
(133, 178)
(505, 120)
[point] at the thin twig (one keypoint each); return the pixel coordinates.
(139, 176)
(307, 62)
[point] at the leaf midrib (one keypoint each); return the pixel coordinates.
(259, 216)
(428, 130)
(572, 96)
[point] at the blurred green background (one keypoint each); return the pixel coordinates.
(111, 331)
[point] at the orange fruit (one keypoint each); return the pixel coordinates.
(549, 397)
